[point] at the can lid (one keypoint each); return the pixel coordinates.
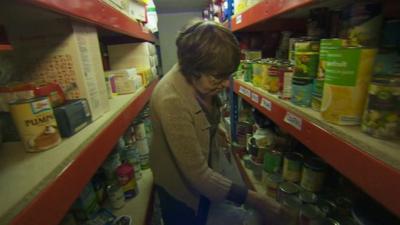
(308, 197)
(289, 188)
(310, 211)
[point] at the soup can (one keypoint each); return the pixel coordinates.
(292, 164)
(285, 83)
(286, 189)
(36, 124)
(301, 91)
(272, 161)
(313, 175)
(272, 182)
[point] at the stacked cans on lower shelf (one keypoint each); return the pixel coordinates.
(116, 181)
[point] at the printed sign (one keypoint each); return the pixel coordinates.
(293, 120)
(244, 91)
(265, 103)
(238, 19)
(254, 97)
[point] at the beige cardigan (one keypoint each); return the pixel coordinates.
(180, 146)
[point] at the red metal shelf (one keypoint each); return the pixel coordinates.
(375, 176)
(98, 13)
(51, 204)
(5, 47)
(265, 10)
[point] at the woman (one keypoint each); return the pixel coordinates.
(185, 116)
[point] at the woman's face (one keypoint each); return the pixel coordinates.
(209, 85)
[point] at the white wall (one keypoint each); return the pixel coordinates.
(168, 26)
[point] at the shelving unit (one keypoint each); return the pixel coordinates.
(39, 188)
(347, 149)
(98, 13)
(372, 164)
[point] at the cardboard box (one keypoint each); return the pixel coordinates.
(66, 53)
(136, 55)
(137, 11)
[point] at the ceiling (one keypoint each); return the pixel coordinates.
(178, 6)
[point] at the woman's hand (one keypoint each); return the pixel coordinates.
(224, 139)
(270, 210)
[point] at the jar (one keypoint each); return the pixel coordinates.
(292, 164)
(301, 91)
(313, 175)
(272, 182)
(287, 189)
(381, 115)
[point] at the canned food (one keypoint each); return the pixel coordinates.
(307, 197)
(285, 82)
(292, 205)
(381, 116)
(309, 215)
(292, 164)
(316, 103)
(272, 182)
(318, 86)
(127, 180)
(306, 59)
(248, 70)
(301, 91)
(292, 42)
(143, 149)
(326, 45)
(258, 73)
(272, 161)
(313, 175)
(273, 84)
(36, 124)
(287, 189)
(115, 195)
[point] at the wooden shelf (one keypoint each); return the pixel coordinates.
(39, 188)
(98, 13)
(372, 164)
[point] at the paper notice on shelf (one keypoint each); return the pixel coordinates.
(244, 91)
(266, 104)
(254, 97)
(293, 120)
(239, 19)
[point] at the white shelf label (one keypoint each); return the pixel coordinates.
(244, 91)
(254, 97)
(265, 103)
(293, 120)
(239, 19)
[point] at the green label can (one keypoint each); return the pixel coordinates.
(313, 175)
(292, 164)
(306, 64)
(326, 45)
(272, 161)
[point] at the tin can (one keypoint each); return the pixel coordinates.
(266, 64)
(387, 63)
(127, 180)
(115, 195)
(286, 84)
(326, 45)
(309, 215)
(301, 91)
(273, 84)
(313, 175)
(316, 103)
(143, 148)
(318, 87)
(306, 59)
(292, 49)
(272, 161)
(248, 70)
(348, 70)
(36, 124)
(292, 164)
(307, 197)
(140, 131)
(362, 22)
(286, 189)
(381, 116)
(272, 182)
(258, 73)
(292, 206)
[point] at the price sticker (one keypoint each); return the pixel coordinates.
(244, 91)
(265, 103)
(239, 19)
(254, 97)
(293, 120)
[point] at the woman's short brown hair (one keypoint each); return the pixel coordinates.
(207, 48)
